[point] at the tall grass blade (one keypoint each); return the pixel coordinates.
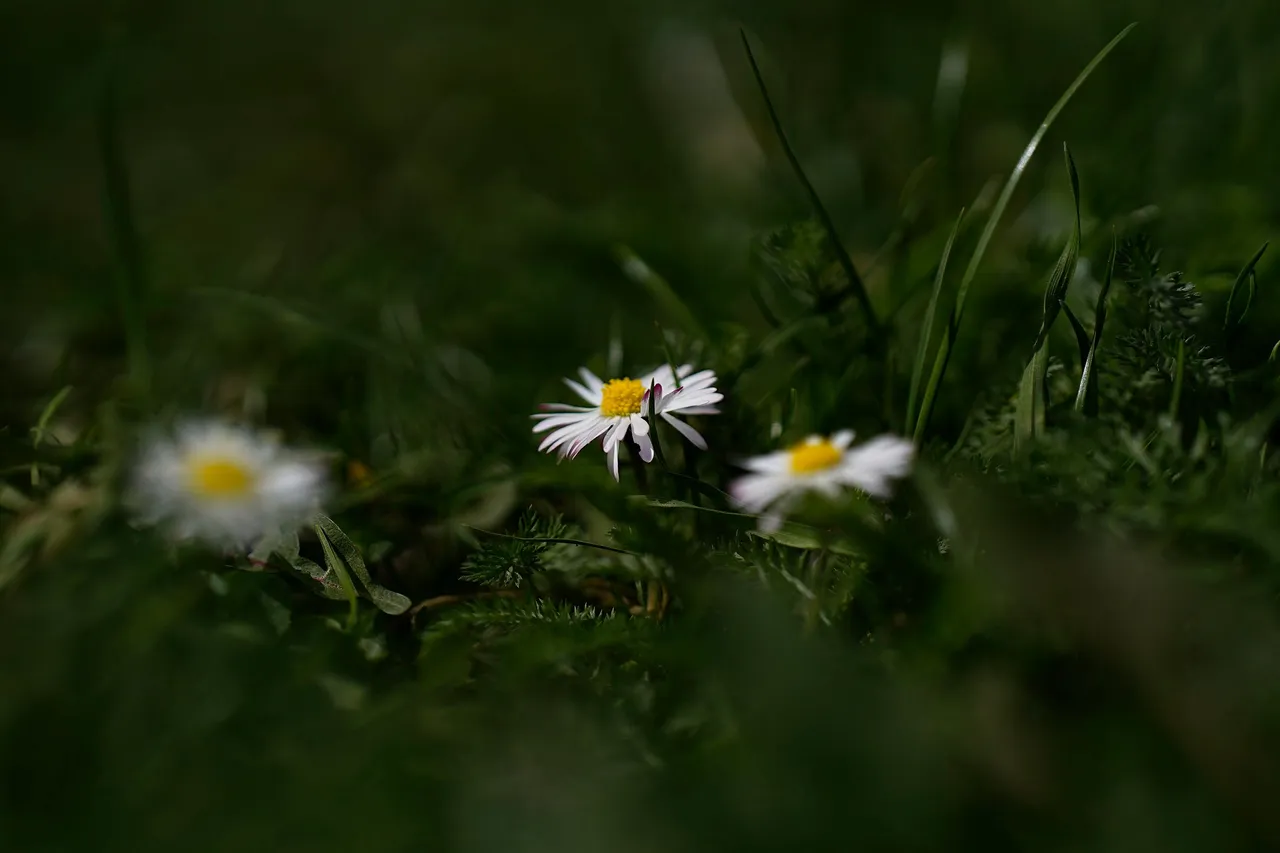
(1029, 410)
(926, 331)
(943, 356)
(131, 274)
(1249, 280)
(641, 273)
(1087, 395)
(856, 284)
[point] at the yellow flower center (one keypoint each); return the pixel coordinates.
(810, 456)
(621, 397)
(219, 477)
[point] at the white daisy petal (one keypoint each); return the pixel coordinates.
(645, 445)
(873, 466)
(593, 382)
(583, 392)
(620, 407)
(691, 435)
(679, 400)
(823, 466)
(597, 429)
(756, 491)
(612, 458)
(778, 462)
(702, 377)
(617, 434)
(224, 484)
(562, 420)
(653, 402)
(561, 435)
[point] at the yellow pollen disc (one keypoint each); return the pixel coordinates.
(808, 457)
(218, 477)
(621, 397)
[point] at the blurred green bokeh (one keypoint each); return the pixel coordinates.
(321, 188)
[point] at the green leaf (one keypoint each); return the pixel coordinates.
(805, 538)
(387, 601)
(1247, 278)
(926, 327)
(943, 356)
(1087, 395)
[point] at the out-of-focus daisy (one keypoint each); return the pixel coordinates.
(223, 484)
(619, 407)
(823, 465)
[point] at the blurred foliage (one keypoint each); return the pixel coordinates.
(389, 231)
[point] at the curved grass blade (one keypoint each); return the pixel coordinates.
(131, 276)
(926, 330)
(1175, 400)
(1082, 334)
(856, 283)
(1247, 278)
(1087, 395)
(1029, 412)
(641, 273)
(943, 356)
(387, 601)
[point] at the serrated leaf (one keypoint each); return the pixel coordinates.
(387, 601)
(806, 538)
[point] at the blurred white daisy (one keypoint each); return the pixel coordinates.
(823, 465)
(225, 485)
(619, 407)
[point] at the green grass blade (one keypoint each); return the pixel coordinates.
(1248, 279)
(943, 356)
(1028, 424)
(1087, 395)
(1082, 334)
(1029, 414)
(131, 274)
(641, 273)
(856, 284)
(1175, 400)
(926, 330)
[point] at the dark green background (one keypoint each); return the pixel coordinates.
(308, 177)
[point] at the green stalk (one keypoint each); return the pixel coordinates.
(943, 356)
(856, 284)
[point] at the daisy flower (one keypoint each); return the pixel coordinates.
(823, 465)
(225, 485)
(619, 407)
